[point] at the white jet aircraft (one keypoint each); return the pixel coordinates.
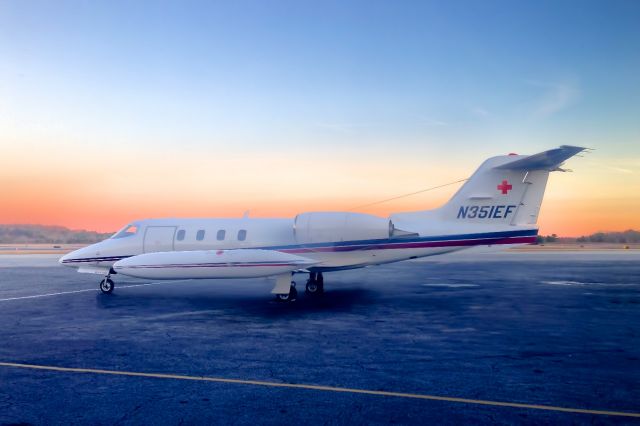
(497, 205)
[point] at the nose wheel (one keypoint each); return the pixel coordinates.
(106, 285)
(315, 284)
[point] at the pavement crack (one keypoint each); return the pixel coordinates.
(129, 413)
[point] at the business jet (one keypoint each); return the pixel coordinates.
(497, 206)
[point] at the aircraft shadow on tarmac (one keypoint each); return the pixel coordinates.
(250, 304)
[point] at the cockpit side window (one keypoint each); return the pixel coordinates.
(128, 231)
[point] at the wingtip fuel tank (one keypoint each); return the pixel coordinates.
(237, 263)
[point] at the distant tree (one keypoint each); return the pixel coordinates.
(29, 234)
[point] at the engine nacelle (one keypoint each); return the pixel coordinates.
(322, 227)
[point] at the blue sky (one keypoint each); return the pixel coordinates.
(376, 81)
(286, 72)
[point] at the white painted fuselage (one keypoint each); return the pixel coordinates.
(164, 235)
(497, 206)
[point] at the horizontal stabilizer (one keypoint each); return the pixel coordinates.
(547, 160)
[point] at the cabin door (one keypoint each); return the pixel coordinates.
(159, 238)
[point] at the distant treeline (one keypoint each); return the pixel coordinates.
(625, 237)
(31, 234)
(628, 236)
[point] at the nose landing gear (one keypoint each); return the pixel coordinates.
(107, 285)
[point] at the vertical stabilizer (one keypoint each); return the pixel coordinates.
(504, 191)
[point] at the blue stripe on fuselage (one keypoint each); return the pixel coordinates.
(370, 244)
(484, 235)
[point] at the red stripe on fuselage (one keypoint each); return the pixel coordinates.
(418, 244)
(205, 265)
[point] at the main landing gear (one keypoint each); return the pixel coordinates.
(289, 297)
(315, 284)
(314, 287)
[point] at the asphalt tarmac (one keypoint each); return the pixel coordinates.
(449, 341)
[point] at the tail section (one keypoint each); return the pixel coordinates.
(505, 191)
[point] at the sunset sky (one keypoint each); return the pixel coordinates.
(113, 111)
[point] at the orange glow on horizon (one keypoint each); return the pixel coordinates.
(563, 217)
(82, 195)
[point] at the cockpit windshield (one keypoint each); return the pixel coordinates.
(127, 231)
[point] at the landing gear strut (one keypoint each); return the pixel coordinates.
(289, 297)
(106, 285)
(315, 284)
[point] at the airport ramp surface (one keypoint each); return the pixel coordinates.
(491, 338)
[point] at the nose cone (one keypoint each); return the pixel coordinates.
(69, 259)
(80, 256)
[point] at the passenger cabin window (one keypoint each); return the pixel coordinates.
(200, 235)
(221, 234)
(180, 235)
(127, 231)
(242, 235)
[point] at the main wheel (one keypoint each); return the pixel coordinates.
(291, 296)
(312, 287)
(106, 285)
(315, 284)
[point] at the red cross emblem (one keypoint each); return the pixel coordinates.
(505, 187)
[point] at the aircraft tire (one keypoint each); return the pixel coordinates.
(293, 294)
(315, 284)
(314, 288)
(289, 297)
(106, 286)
